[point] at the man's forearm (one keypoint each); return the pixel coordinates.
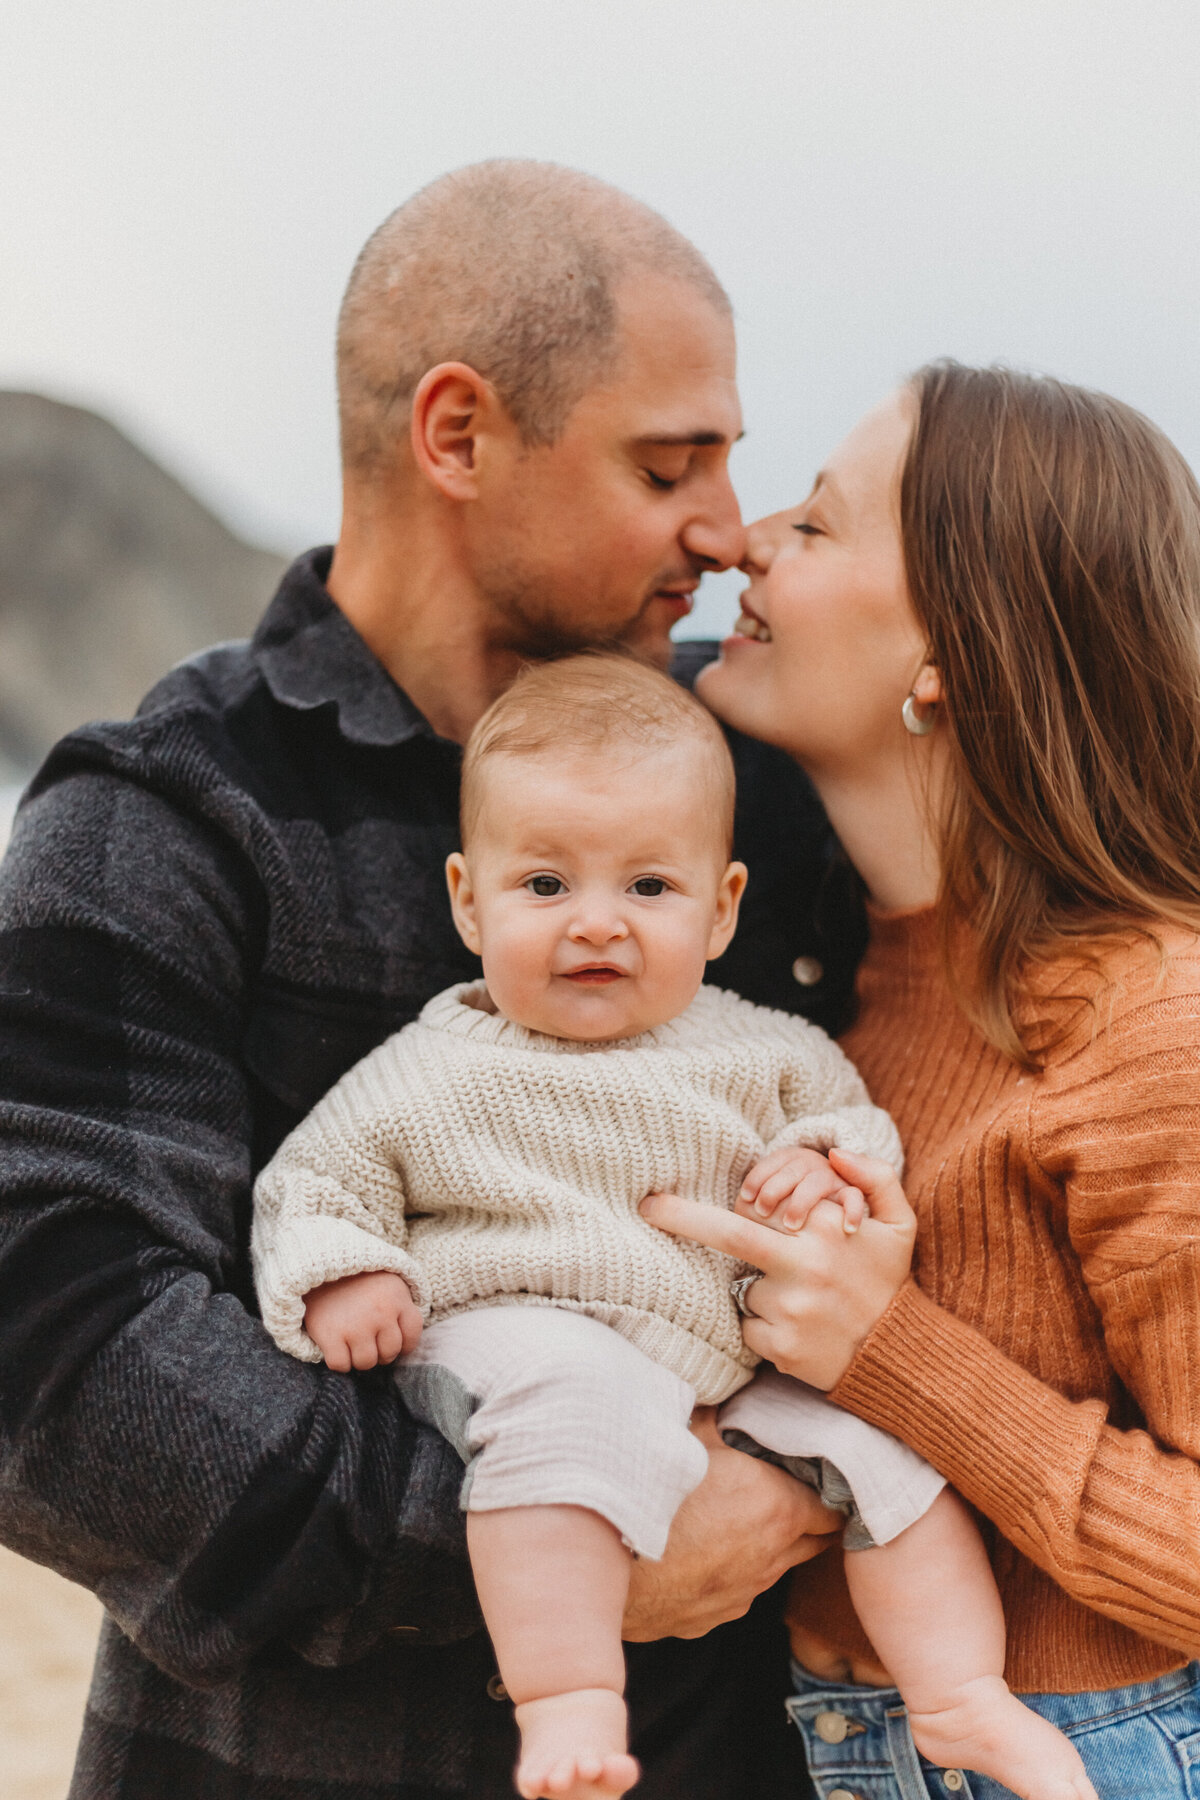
(154, 1444)
(217, 1495)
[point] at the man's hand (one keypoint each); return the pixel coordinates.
(733, 1537)
(784, 1187)
(362, 1320)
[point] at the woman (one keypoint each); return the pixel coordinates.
(980, 635)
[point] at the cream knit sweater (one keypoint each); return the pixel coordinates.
(490, 1165)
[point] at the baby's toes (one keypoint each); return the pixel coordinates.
(535, 1778)
(618, 1775)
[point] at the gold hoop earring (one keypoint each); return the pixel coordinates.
(913, 721)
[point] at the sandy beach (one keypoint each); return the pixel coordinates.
(48, 1633)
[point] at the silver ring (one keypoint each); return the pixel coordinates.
(740, 1288)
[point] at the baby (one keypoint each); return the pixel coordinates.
(466, 1199)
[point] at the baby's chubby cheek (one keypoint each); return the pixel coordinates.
(521, 993)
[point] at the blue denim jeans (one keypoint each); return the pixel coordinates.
(1137, 1743)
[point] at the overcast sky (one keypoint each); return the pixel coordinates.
(876, 181)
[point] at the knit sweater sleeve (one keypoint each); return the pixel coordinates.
(331, 1201)
(826, 1102)
(1111, 1514)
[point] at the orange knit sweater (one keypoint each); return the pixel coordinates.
(1047, 1356)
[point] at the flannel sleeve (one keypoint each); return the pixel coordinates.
(155, 1445)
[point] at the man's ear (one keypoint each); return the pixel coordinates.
(453, 409)
(462, 900)
(729, 898)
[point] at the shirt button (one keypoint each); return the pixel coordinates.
(496, 1689)
(807, 971)
(831, 1727)
(953, 1779)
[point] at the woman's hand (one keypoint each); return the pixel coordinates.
(733, 1537)
(821, 1291)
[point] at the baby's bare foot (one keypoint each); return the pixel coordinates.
(987, 1728)
(573, 1747)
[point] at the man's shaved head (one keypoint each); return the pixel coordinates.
(510, 267)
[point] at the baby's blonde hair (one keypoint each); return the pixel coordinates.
(589, 702)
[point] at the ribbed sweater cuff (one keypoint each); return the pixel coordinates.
(1010, 1444)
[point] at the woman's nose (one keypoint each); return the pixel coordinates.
(762, 541)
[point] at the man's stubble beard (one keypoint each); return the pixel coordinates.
(532, 626)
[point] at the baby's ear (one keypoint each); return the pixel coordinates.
(462, 899)
(729, 898)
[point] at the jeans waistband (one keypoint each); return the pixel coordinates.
(857, 1738)
(1092, 1706)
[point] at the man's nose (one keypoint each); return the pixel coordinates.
(715, 535)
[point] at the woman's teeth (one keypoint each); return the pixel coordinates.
(752, 628)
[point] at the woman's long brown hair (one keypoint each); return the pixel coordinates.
(1052, 546)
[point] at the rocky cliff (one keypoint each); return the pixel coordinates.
(110, 572)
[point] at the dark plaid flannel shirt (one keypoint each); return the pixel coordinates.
(206, 915)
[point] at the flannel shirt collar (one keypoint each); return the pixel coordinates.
(311, 656)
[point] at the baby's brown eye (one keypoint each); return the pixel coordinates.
(649, 886)
(544, 886)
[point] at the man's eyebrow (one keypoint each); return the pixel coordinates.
(699, 438)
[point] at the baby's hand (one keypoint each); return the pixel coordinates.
(784, 1187)
(362, 1320)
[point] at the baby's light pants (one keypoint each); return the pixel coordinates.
(549, 1407)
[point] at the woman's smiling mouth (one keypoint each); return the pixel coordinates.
(749, 625)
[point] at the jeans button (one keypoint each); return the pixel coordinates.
(843, 1794)
(831, 1728)
(496, 1689)
(953, 1779)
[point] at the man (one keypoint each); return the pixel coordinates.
(207, 914)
